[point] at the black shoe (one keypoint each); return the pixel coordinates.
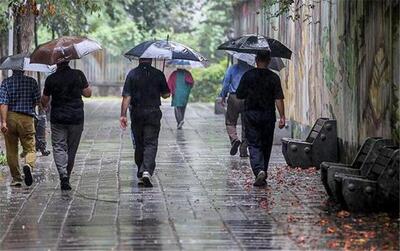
(146, 178)
(260, 179)
(65, 186)
(235, 147)
(28, 175)
(243, 150)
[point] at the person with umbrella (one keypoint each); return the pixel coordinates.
(19, 95)
(234, 106)
(261, 90)
(142, 90)
(65, 87)
(180, 83)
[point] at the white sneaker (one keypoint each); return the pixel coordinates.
(146, 178)
(16, 183)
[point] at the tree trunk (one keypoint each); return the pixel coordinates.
(24, 26)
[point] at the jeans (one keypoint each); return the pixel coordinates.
(65, 140)
(145, 125)
(260, 126)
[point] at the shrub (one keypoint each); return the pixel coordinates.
(208, 82)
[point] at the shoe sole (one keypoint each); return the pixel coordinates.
(28, 175)
(235, 148)
(260, 180)
(147, 182)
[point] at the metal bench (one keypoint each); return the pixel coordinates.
(374, 191)
(388, 184)
(320, 145)
(367, 153)
(335, 173)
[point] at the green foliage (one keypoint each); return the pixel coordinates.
(214, 27)
(3, 159)
(208, 82)
(3, 17)
(154, 15)
(291, 9)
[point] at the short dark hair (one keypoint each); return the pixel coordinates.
(263, 56)
(63, 63)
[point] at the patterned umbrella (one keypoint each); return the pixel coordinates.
(256, 43)
(164, 49)
(186, 63)
(276, 64)
(64, 49)
(21, 62)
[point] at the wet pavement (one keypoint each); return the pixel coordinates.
(202, 199)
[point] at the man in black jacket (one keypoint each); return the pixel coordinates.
(65, 87)
(261, 89)
(142, 90)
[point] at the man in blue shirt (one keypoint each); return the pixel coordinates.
(19, 94)
(234, 106)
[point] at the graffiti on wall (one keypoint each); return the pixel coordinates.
(343, 63)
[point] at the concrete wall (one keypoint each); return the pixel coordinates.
(345, 63)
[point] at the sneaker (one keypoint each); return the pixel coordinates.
(28, 175)
(16, 183)
(146, 178)
(65, 186)
(235, 147)
(260, 179)
(180, 124)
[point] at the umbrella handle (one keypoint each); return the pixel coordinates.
(163, 67)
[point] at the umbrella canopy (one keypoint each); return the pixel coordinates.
(64, 49)
(180, 63)
(21, 62)
(256, 43)
(164, 49)
(276, 64)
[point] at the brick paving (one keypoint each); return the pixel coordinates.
(202, 199)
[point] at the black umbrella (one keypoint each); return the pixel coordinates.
(257, 43)
(164, 49)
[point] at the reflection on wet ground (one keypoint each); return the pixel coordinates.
(203, 199)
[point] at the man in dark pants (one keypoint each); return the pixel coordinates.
(261, 89)
(66, 87)
(142, 90)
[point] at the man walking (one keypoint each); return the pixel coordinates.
(142, 90)
(261, 90)
(65, 87)
(234, 106)
(19, 95)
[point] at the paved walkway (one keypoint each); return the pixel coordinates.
(203, 199)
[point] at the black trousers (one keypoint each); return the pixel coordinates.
(260, 126)
(145, 125)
